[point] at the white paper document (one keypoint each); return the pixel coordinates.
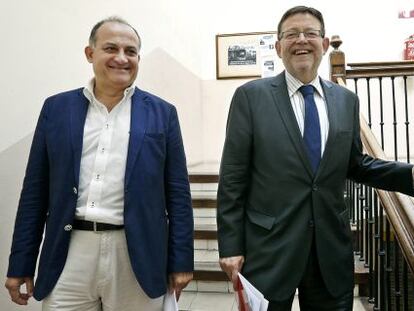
(254, 299)
(170, 302)
(267, 55)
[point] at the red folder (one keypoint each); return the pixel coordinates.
(243, 306)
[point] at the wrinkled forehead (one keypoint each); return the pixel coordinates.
(115, 31)
(301, 21)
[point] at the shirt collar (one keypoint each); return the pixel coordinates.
(90, 95)
(294, 84)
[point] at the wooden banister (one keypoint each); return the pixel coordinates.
(399, 208)
(380, 69)
(339, 68)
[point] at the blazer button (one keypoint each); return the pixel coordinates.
(311, 223)
(314, 187)
(68, 227)
(75, 191)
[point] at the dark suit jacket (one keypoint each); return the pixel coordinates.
(157, 205)
(270, 205)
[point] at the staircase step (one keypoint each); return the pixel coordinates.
(206, 178)
(205, 212)
(222, 301)
(205, 244)
(205, 234)
(361, 276)
(204, 186)
(208, 195)
(206, 260)
(207, 268)
(205, 228)
(209, 286)
(204, 202)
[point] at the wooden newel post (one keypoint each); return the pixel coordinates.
(337, 60)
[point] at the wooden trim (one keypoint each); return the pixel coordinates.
(202, 275)
(341, 81)
(204, 203)
(336, 59)
(205, 234)
(203, 178)
(380, 69)
(382, 64)
(379, 72)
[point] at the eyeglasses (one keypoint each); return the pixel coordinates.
(310, 34)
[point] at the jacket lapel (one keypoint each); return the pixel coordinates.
(333, 122)
(139, 121)
(78, 110)
(284, 106)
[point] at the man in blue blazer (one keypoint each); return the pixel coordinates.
(107, 185)
(291, 142)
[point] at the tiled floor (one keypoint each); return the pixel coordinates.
(197, 301)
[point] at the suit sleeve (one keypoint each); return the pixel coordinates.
(33, 205)
(377, 173)
(234, 177)
(180, 212)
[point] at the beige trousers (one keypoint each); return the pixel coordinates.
(98, 277)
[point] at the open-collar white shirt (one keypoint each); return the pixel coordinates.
(103, 161)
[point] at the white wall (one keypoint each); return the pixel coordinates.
(42, 53)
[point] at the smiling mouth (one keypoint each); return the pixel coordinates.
(301, 52)
(119, 68)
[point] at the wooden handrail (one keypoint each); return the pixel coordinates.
(401, 63)
(341, 81)
(380, 69)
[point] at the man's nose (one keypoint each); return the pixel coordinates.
(121, 57)
(301, 37)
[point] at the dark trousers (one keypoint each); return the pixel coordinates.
(313, 294)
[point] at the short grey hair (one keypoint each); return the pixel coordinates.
(111, 19)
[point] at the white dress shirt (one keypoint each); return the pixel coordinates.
(298, 105)
(103, 161)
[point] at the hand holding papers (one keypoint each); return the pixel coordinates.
(170, 302)
(249, 298)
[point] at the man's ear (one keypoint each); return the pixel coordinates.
(278, 49)
(89, 54)
(325, 44)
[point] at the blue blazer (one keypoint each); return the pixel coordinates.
(157, 205)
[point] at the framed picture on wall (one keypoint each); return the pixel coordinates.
(239, 55)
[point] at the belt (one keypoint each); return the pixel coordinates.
(94, 226)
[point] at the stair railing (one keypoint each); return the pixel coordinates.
(383, 221)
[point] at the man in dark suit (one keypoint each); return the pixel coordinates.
(107, 180)
(291, 142)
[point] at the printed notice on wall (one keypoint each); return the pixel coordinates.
(267, 54)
